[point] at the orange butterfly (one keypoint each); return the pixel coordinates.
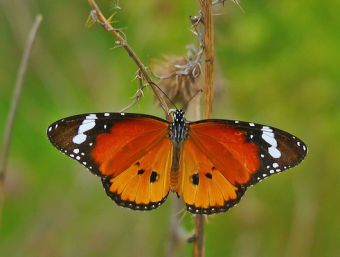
(209, 163)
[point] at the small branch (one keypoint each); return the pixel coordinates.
(139, 93)
(14, 104)
(98, 16)
(209, 56)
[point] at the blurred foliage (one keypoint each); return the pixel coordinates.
(278, 64)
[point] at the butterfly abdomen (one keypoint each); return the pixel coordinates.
(177, 148)
(173, 181)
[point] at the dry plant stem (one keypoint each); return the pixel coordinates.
(206, 6)
(139, 93)
(14, 104)
(122, 42)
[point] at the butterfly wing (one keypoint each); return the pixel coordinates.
(121, 149)
(222, 158)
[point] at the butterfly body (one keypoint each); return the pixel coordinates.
(178, 132)
(209, 163)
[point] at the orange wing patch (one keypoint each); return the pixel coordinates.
(127, 141)
(145, 184)
(227, 148)
(201, 184)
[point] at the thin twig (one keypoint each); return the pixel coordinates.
(138, 95)
(98, 16)
(14, 105)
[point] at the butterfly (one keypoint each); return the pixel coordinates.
(141, 158)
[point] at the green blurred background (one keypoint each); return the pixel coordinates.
(278, 64)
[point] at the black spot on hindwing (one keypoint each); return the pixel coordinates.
(195, 179)
(154, 176)
(140, 172)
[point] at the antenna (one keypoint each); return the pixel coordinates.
(154, 84)
(197, 92)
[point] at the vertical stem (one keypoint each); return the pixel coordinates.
(14, 104)
(206, 7)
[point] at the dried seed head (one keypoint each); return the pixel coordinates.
(179, 77)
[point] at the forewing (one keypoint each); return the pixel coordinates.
(243, 153)
(110, 145)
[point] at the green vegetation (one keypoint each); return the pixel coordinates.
(278, 64)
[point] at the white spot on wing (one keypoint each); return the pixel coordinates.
(79, 139)
(252, 124)
(274, 152)
(76, 151)
(266, 128)
(91, 117)
(106, 114)
(269, 138)
(275, 165)
(87, 124)
(49, 129)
